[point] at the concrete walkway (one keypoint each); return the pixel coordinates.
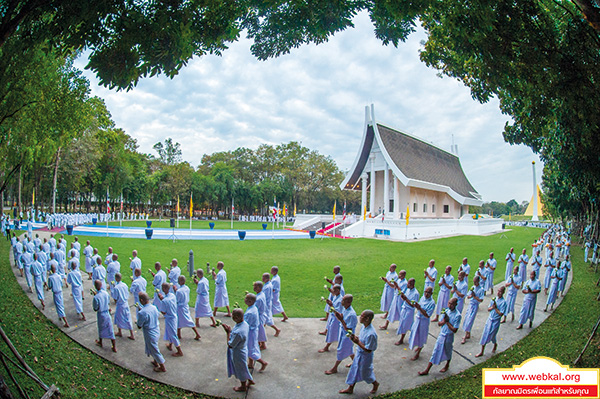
(295, 368)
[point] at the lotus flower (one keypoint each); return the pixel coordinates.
(325, 278)
(93, 291)
(157, 290)
(236, 305)
(325, 286)
(150, 270)
(322, 299)
(138, 305)
(113, 283)
(331, 309)
(218, 322)
(349, 333)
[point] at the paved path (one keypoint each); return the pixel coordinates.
(295, 368)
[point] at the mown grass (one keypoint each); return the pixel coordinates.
(199, 224)
(82, 374)
(304, 263)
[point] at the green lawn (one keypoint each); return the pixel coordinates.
(82, 374)
(304, 263)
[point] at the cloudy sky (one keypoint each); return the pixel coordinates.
(316, 95)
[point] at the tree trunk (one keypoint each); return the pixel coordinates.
(20, 184)
(4, 390)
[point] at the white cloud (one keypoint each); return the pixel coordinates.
(316, 95)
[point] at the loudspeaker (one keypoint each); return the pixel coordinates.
(172, 222)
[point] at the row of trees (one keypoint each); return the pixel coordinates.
(495, 208)
(539, 58)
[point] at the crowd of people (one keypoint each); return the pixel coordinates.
(47, 265)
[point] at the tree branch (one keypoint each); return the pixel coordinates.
(590, 12)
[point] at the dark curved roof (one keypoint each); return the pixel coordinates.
(417, 160)
(422, 161)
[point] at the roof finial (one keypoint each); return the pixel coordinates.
(373, 113)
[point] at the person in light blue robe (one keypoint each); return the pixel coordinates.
(173, 273)
(588, 244)
(160, 277)
(465, 267)
(397, 301)
(38, 270)
(268, 291)
(497, 309)
(276, 282)
(136, 263)
(74, 278)
(459, 291)
(566, 266)
(362, 365)
(531, 288)
(388, 289)
(237, 351)
(147, 320)
(42, 257)
(333, 324)
(99, 273)
(523, 261)
(88, 252)
(182, 296)
(450, 320)
(430, 275)
(221, 298)
(513, 284)
(536, 263)
(27, 259)
(202, 306)
(55, 284)
(138, 285)
(420, 328)
(349, 321)
(549, 265)
(112, 269)
(445, 284)
(169, 309)
(252, 317)
(336, 272)
(409, 298)
(261, 306)
(490, 264)
(120, 293)
(100, 304)
(555, 279)
(29, 228)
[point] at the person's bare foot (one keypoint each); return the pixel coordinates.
(263, 367)
(66, 325)
(99, 343)
(262, 347)
(383, 327)
(349, 365)
(118, 334)
(323, 319)
(424, 372)
(160, 368)
(323, 350)
(520, 327)
(154, 363)
(347, 390)
(494, 348)
(375, 387)
(284, 319)
(322, 332)
(479, 354)
(444, 369)
(415, 357)
(435, 319)
(228, 315)
(114, 349)
(83, 318)
(332, 371)
(131, 337)
(169, 346)
(212, 325)
(277, 333)
(239, 389)
(197, 338)
(397, 343)
(177, 354)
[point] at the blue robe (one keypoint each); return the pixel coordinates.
(100, 274)
(523, 260)
(557, 275)
(137, 286)
(345, 345)
(407, 313)
(252, 317)
(333, 324)
(221, 297)
(493, 322)
(444, 293)
(432, 271)
(473, 308)
(463, 288)
(159, 278)
(268, 290)
(202, 308)
(237, 352)
(511, 293)
(113, 268)
(55, 284)
(362, 366)
(550, 266)
(443, 345)
(100, 304)
(397, 302)
(529, 300)
(388, 292)
(120, 293)
(261, 305)
(174, 277)
(491, 268)
(277, 307)
(147, 320)
(182, 295)
(169, 307)
(420, 327)
(38, 271)
(27, 259)
(74, 278)
(566, 266)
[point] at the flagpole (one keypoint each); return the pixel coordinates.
(107, 210)
(232, 208)
(274, 216)
(121, 213)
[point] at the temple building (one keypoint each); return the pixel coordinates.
(402, 174)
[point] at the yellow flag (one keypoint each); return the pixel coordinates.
(334, 204)
(284, 209)
(33, 198)
(191, 205)
(407, 214)
(365, 213)
(294, 209)
(178, 204)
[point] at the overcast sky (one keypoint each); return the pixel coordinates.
(316, 95)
